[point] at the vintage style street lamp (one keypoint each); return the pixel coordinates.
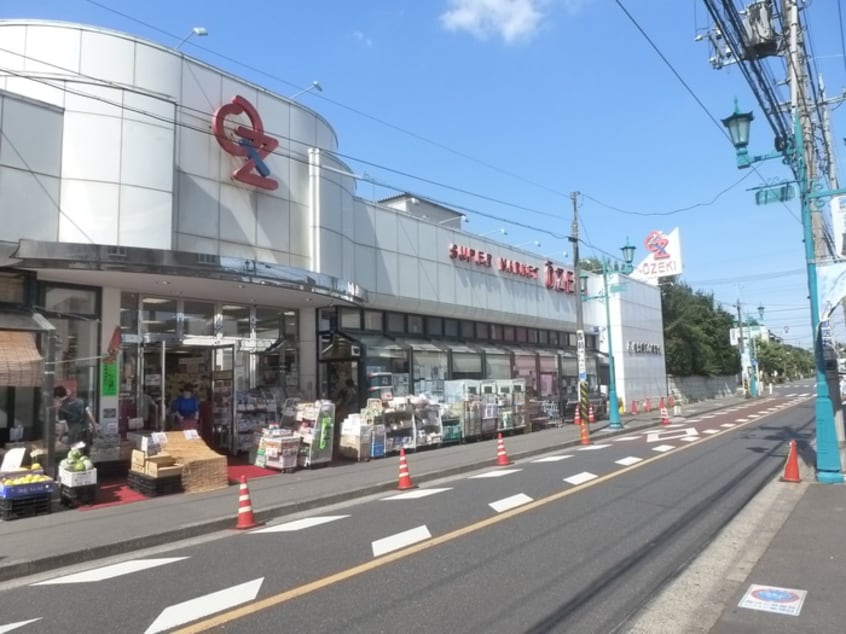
(792, 152)
(628, 256)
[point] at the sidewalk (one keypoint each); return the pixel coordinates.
(40, 543)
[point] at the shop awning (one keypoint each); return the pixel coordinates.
(21, 364)
(421, 345)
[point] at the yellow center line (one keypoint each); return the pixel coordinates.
(355, 571)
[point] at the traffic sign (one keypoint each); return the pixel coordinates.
(581, 354)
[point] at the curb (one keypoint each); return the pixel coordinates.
(44, 564)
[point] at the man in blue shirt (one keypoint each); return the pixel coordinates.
(186, 407)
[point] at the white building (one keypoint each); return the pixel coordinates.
(208, 221)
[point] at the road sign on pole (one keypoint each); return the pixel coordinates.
(580, 352)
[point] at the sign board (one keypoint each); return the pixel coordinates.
(759, 332)
(838, 223)
(581, 353)
(109, 378)
(664, 257)
(785, 601)
(775, 194)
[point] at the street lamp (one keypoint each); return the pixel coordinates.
(556, 254)
(490, 233)
(199, 31)
(315, 85)
(534, 243)
(761, 312)
(460, 219)
(628, 251)
(792, 152)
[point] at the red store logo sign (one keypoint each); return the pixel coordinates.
(555, 278)
(250, 143)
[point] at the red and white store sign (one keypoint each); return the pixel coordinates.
(555, 278)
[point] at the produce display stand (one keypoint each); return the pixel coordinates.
(20, 499)
(77, 488)
(316, 430)
(490, 408)
(277, 449)
(154, 475)
(511, 405)
(461, 400)
(399, 427)
(428, 427)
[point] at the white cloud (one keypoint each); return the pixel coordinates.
(362, 38)
(512, 20)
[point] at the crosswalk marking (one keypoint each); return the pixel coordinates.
(415, 494)
(13, 626)
(110, 572)
(663, 448)
(506, 504)
(400, 540)
(553, 458)
(495, 474)
(627, 462)
(195, 609)
(581, 478)
(301, 524)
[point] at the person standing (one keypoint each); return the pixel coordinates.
(72, 411)
(186, 408)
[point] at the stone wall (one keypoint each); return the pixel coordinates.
(701, 388)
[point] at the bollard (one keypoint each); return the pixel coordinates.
(770, 389)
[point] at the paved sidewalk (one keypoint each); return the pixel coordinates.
(36, 544)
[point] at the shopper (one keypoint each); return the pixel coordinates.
(72, 411)
(186, 408)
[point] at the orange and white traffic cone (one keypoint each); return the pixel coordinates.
(634, 407)
(585, 435)
(577, 417)
(246, 519)
(791, 467)
(591, 418)
(404, 478)
(665, 417)
(501, 455)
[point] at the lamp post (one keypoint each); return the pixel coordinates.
(315, 85)
(534, 243)
(792, 152)
(628, 251)
(199, 31)
(490, 233)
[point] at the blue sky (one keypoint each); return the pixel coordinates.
(545, 97)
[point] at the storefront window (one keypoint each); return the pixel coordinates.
(430, 370)
(129, 313)
(71, 301)
(543, 337)
(497, 365)
(482, 331)
(434, 326)
(198, 318)
(350, 319)
(268, 321)
(386, 356)
(590, 342)
(508, 334)
(158, 315)
(12, 288)
(326, 319)
(496, 332)
(548, 375)
(554, 339)
(522, 335)
(396, 323)
(533, 335)
(415, 324)
(290, 323)
(450, 327)
(466, 363)
(525, 367)
(373, 320)
(235, 320)
(468, 330)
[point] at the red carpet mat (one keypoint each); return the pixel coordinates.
(113, 494)
(235, 471)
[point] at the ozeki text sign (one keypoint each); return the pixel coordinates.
(664, 257)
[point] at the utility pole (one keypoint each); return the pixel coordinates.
(744, 375)
(580, 318)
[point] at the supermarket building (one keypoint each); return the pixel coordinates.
(175, 223)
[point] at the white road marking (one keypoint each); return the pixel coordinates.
(400, 540)
(711, 431)
(110, 572)
(624, 438)
(677, 425)
(740, 420)
(710, 415)
(495, 474)
(663, 448)
(592, 447)
(553, 458)
(791, 395)
(506, 504)
(581, 478)
(298, 525)
(658, 436)
(13, 626)
(415, 494)
(728, 424)
(694, 420)
(195, 609)
(627, 462)
(689, 438)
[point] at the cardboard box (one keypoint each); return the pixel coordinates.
(159, 471)
(163, 459)
(77, 478)
(138, 459)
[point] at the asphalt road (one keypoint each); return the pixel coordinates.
(577, 541)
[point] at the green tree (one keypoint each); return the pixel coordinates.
(780, 360)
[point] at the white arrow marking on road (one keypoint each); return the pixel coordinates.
(657, 436)
(400, 540)
(506, 504)
(627, 462)
(298, 525)
(195, 609)
(110, 572)
(554, 458)
(663, 448)
(417, 493)
(14, 626)
(581, 478)
(495, 474)
(592, 447)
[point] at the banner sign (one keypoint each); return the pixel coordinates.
(664, 257)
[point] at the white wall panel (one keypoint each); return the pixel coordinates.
(447, 283)
(151, 110)
(331, 247)
(407, 235)
(107, 57)
(199, 153)
(51, 50)
(198, 210)
(39, 90)
(387, 273)
(298, 179)
(330, 202)
(32, 137)
(325, 139)
(408, 281)
(28, 206)
(365, 267)
(237, 218)
(428, 280)
(197, 244)
(275, 115)
(145, 218)
(300, 232)
(426, 242)
(385, 224)
(303, 131)
(273, 223)
(200, 90)
(89, 212)
(274, 257)
(230, 87)
(84, 96)
(363, 224)
(157, 71)
(91, 147)
(147, 156)
(14, 47)
(348, 268)
(235, 250)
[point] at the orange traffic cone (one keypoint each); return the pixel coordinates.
(577, 417)
(591, 418)
(634, 407)
(404, 478)
(585, 436)
(501, 456)
(246, 519)
(665, 417)
(791, 467)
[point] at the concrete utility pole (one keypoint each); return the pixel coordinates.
(580, 319)
(742, 347)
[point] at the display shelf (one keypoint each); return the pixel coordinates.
(17, 508)
(316, 429)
